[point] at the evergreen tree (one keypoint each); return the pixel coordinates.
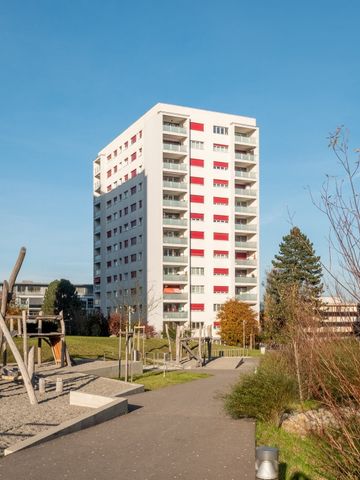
(60, 296)
(296, 266)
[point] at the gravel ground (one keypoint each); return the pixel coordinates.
(19, 420)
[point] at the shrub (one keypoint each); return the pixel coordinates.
(263, 395)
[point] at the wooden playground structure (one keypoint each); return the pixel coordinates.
(26, 362)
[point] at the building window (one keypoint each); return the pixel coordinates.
(220, 130)
(221, 253)
(133, 207)
(133, 190)
(133, 173)
(133, 257)
(217, 307)
(197, 271)
(220, 165)
(126, 210)
(221, 183)
(197, 288)
(217, 147)
(133, 274)
(133, 241)
(133, 156)
(197, 145)
(133, 223)
(133, 139)
(221, 218)
(108, 174)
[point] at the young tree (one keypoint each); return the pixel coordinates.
(233, 315)
(296, 266)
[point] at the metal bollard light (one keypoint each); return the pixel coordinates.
(267, 463)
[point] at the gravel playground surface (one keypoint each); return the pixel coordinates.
(19, 420)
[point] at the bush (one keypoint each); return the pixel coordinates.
(264, 395)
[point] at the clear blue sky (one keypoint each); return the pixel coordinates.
(74, 73)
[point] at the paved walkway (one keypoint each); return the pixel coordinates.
(179, 432)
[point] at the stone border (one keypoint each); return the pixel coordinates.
(115, 408)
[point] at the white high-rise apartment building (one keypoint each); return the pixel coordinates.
(176, 210)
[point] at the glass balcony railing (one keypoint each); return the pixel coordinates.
(175, 240)
(245, 209)
(175, 221)
(175, 259)
(247, 192)
(245, 261)
(175, 315)
(244, 139)
(175, 278)
(240, 174)
(245, 245)
(174, 129)
(97, 185)
(174, 147)
(175, 166)
(175, 296)
(247, 157)
(246, 297)
(97, 169)
(245, 228)
(176, 185)
(97, 243)
(97, 258)
(241, 279)
(97, 228)
(175, 203)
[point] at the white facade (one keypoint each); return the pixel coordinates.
(176, 210)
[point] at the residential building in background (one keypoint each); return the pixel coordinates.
(339, 317)
(176, 216)
(30, 295)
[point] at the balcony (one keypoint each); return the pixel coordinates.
(174, 259)
(242, 279)
(175, 315)
(174, 147)
(97, 258)
(244, 139)
(97, 186)
(97, 228)
(97, 288)
(246, 297)
(240, 174)
(245, 209)
(97, 243)
(245, 228)
(245, 261)
(245, 192)
(174, 129)
(174, 185)
(178, 167)
(245, 157)
(175, 203)
(175, 240)
(246, 245)
(97, 169)
(175, 296)
(175, 278)
(180, 222)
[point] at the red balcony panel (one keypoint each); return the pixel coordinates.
(197, 126)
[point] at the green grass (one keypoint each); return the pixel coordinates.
(297, 455)
(154, 381)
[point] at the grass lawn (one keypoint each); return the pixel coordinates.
(153, 381)
(297, 454)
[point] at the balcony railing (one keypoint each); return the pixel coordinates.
(175, 259)
(177, 185)
(245, 209)
(97, 288)
(175, 240)
(246, 297)
(97, 258)
(175, 278)
(175, 296)
(173, 147)
(175, 203)
(244, 139)
(175, 221)
(246, 228)
(97, 243)
(97, 185)
(241, 279)
(174, 129)
(96, 169)
(240, 174)
(175, 314)
(247, 192)
(245, 261)
(245, 245)
(247, 157)
(175, 166)
(97, 228)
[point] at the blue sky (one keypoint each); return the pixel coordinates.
(75, 73)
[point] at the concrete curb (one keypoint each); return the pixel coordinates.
(114, 408)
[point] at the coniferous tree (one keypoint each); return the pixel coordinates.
(296, 266)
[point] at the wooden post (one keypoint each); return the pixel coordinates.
(39, 342)
(31, 364)
(126, 352)
(25, 338)
(119, 349)
(200, 340)
(177, 358)
(168, 337)
(62, 340)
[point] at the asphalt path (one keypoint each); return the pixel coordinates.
(179, 432)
